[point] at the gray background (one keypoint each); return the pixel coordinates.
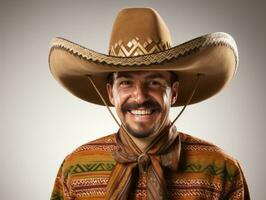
(41, 122)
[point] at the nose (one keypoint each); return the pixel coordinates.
(139, 93)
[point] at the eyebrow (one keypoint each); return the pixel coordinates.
(151, 76)
(123, 76)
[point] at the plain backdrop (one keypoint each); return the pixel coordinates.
(41, 122)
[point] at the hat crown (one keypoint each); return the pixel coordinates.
(138, 31)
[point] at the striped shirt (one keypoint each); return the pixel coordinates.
(204, 172)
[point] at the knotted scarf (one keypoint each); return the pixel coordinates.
(163, 152)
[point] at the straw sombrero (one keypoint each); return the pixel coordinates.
(141, 41)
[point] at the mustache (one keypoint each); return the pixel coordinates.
(152, 105)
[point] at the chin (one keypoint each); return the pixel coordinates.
(139, 133)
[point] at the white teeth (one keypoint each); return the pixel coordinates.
(141, 112)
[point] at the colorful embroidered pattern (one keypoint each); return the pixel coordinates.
(211, 170)
(89, 186)
(205, 172)
(89, 167)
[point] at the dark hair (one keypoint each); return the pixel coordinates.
(173, 78)
(110, 78)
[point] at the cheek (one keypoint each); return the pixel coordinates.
(167, 97)
(119, 98)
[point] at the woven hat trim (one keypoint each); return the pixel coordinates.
(213, 39)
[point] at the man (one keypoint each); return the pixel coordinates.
(142, 77)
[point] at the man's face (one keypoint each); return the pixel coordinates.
(142, 100)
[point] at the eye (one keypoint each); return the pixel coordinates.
(125, 83)
(154, 83)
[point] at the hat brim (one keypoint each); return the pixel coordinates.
(215, 56)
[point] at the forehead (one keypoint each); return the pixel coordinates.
(143, 75)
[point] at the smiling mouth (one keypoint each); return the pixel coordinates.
(142, 112)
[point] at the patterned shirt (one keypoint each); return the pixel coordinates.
(204, 172)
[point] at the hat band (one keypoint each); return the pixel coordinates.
(135, 47)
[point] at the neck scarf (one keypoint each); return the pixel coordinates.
(164, 151)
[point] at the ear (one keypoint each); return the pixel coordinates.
(109, 89)
(174, 88)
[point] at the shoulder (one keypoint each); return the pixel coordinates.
(105, 144)
(201, 156)
(197, 145)
(97, 152)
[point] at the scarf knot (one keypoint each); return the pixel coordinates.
(143, 162)
(164, 151)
